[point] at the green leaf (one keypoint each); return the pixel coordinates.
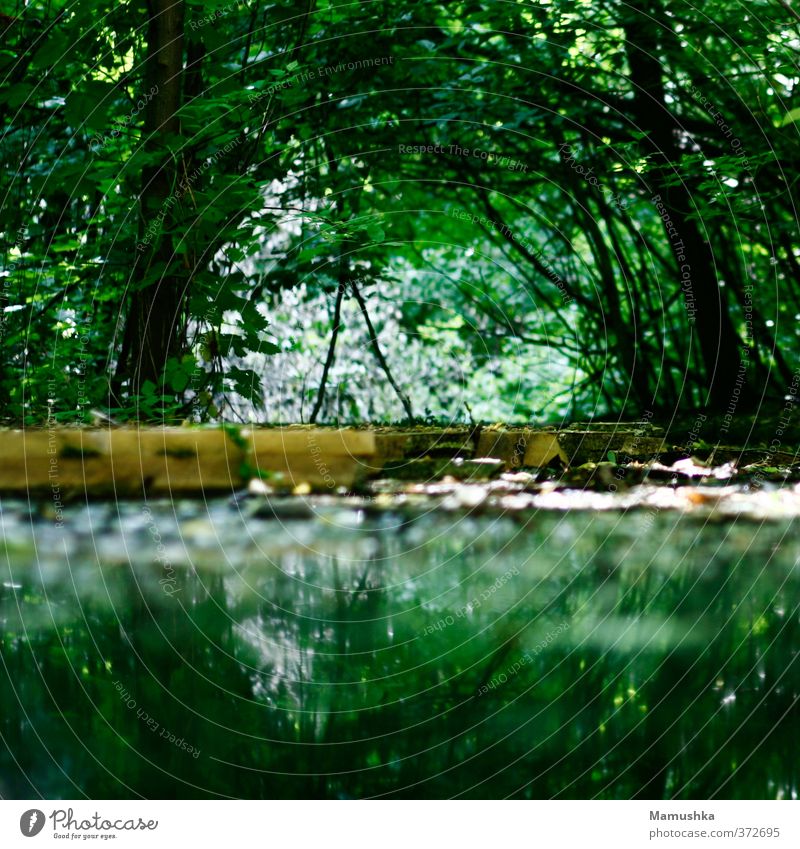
(791, 117)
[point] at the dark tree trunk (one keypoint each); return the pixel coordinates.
(154, 328)
(720, 348)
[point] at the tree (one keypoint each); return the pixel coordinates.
(171, 182)
(155, 327)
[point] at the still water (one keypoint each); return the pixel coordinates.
(189, 649)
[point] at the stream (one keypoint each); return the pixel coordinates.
(321, 650)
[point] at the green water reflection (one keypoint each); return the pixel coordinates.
(576, 655)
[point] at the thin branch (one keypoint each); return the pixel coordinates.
(337, 323)
(376, 348)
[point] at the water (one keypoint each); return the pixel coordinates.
(185, 651)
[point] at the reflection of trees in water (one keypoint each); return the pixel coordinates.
(671, 680)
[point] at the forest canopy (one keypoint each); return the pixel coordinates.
(372, 210)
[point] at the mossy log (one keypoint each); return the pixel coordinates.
(68, 462)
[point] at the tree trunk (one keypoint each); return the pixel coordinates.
(725, 380)
(154, 327)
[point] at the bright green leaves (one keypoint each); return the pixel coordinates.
(375, 232)
(791, 117)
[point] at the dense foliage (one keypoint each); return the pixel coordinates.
(587, 204)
